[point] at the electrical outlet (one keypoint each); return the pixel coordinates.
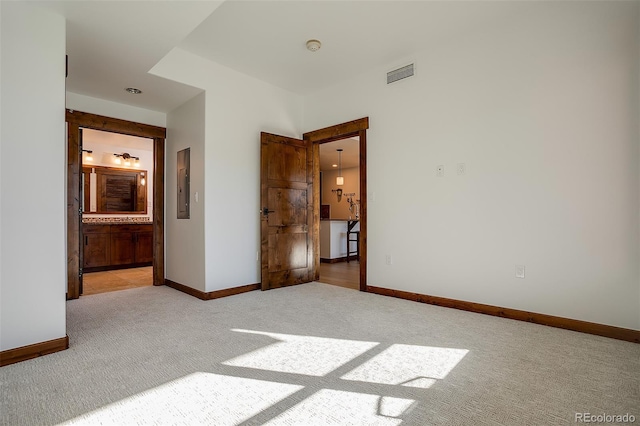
(462, 169)
(519, 271)
(389, 259)
(440, 171)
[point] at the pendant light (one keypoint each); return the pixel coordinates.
(340, 178)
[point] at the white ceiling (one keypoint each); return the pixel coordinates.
(113, 44)
(350, 154)
(266, 39)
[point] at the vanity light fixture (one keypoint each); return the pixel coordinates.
(127, 159)
(88, 157)
(340, 178)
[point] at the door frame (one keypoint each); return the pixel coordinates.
(76, 120)
(330, 134)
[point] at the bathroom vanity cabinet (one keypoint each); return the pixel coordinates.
(116, 246)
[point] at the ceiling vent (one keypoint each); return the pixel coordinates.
(400, 73)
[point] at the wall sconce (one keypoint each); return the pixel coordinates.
(127, 159)
(88, 157)
(338, 193)
(340, 178)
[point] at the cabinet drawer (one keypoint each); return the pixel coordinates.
(96, 229)
(131, 228)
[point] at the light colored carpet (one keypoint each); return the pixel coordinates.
(313, 354)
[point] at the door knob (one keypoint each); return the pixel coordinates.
(265, 211)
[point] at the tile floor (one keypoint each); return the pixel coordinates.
(119, 279)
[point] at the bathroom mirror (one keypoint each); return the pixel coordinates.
(111, 190)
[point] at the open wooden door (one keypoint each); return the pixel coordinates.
(286, 176)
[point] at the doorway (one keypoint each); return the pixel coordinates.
(117, 211)
(352, 129)
(340, 213)
(290, 204)
(148, 242)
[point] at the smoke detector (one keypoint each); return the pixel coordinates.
(313, 45)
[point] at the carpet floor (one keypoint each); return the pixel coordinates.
(313, 354)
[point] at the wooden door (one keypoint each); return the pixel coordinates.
(286, 177)
(80, 194)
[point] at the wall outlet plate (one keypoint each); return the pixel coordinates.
(519, 271)
(389, 259)
(462, 169)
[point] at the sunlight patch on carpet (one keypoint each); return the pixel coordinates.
(199, 398)
(333, 407)
(408, 365)
(311, 356)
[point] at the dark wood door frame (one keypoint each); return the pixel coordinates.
(329, 134)
(75, 121)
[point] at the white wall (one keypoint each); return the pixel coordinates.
(185, 238)
(340, 210)
(115, 110)
(0, 176)
(543, 110)
(32, 176)
(237, 109)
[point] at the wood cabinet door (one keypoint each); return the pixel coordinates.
(286, 177)
(122, 248)
(144, 247)
(96, 250)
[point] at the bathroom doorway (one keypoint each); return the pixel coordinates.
(131, 244)
(117, 211)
